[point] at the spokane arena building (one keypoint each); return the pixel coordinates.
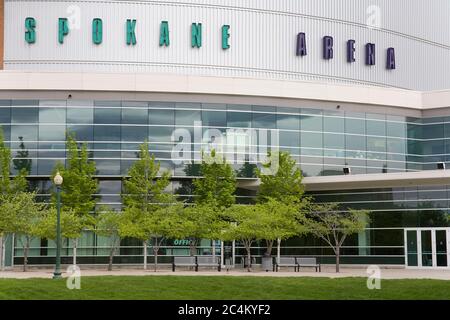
(357, 91)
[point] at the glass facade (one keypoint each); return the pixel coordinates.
(322, 142)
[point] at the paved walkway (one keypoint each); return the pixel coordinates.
(326, 272)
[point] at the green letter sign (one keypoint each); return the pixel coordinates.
(196, 35)
(63, 29)
(97, 31)
(30, 33)
(131, 35)
(164, 38)
(225, 37)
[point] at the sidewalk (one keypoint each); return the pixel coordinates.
(328, 272)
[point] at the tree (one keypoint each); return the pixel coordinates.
(279, 221)
(218, 183)
(143, 196)
(283, 191)
(244, 226)
(22, 161)
(78, 188)
(199, 221)
(8, 187)
(331, 224)
(71, 224)
(23, 217)
(285, 184)
(108, 224)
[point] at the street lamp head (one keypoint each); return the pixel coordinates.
(58, 179)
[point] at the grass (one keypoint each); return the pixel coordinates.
(218, 288)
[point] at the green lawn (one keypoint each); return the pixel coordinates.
(203, 287)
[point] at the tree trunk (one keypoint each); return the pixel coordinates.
(338, 256)
(75, 243)
(25, 255)
(155, 253)
(111, 257)
(145, 255)
(269, 244)
(249, 258)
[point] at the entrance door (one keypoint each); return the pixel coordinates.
(442, 255)
(227, 254)
(427, 248)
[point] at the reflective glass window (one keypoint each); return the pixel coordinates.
(264, 117)
(5, 111)
(80, 112)
(311, 120)
(239, 119)
(217, 118)
(187, 117)
(24, 111)
(376, 125)
(136, 134)
(288, 122)
(134, 113)
(107, 133)
(333, 124)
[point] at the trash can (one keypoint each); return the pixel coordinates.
(267, 262)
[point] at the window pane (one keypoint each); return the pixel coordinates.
(331, 124)
(80, 115)
(288, 122)
(82, 133)
(24, 115)
(107, 133)
(187, 117)
(239, 119)
(134, 116)
(107, 116)
(311, 122)
(214, 118)
(136, 134)
(161, 117)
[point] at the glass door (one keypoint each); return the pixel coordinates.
(427, 248)
(411, 249)
(441, 248)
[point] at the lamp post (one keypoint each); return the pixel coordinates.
(58, 180)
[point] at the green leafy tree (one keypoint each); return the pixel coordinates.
(22, 161)
(71, 224)
(279, 220)
(268, 221)
(333, 225)
(143, 196)
(8, 187)
(199, 221)
(283, 189)
(23, 216)
(285, 184)
(244, 226)
(217, 186)
(107, 225)
(79, 187)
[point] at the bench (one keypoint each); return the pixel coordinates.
(308, 262)
(184, 262)
(209, 261)
(285, 262)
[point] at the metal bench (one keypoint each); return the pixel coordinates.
(209, 261)
(308, 262)
(285, 262)
(184, 262)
